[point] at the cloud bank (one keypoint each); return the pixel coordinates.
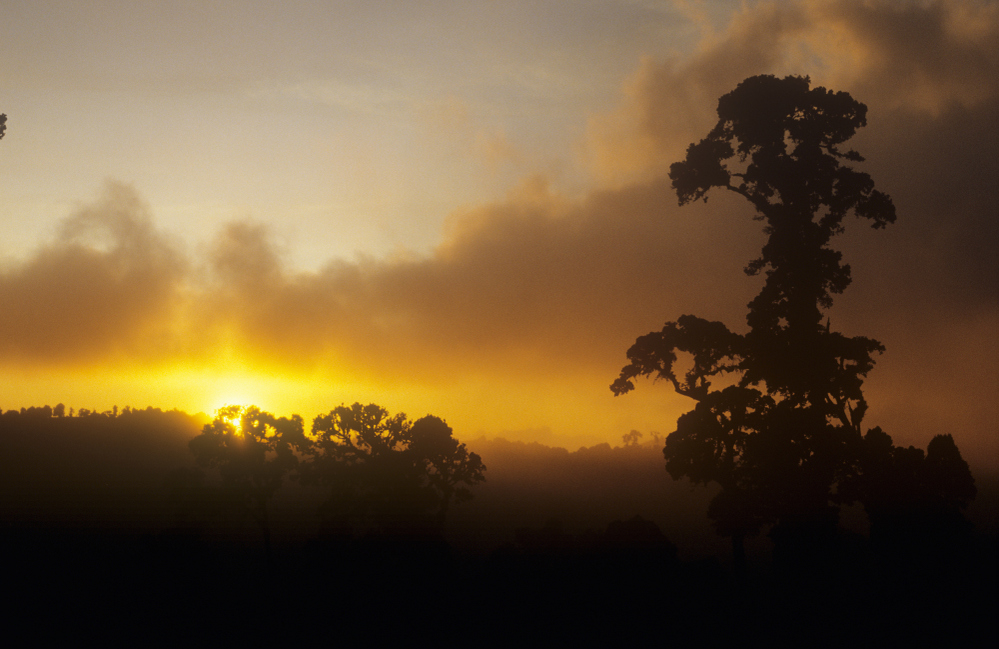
(543, 286)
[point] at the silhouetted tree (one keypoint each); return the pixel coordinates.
(786, 428)
(449, 467)
(385, 473)
(3, 125)
(631, 439)
(914, 500)
(252, 451)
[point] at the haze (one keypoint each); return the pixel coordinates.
(463, 210)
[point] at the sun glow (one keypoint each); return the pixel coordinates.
(232, 415)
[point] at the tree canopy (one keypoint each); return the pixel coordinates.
(253, 451)
(385, 473)
(382, 473)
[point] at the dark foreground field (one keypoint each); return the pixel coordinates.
(180, 588)
(594, 547)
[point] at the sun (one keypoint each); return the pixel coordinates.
(231, 414)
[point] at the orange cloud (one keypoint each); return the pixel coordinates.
(106, 286)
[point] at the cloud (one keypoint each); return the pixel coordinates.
(535, 283)
(105, 286)
(921, 56)
(914, 56)
(539, 286)
(666, 104)
(243, 260)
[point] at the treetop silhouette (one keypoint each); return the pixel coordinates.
(253, 451)
(386, 473)
(450, 469)
(383, 473)
(776, 144)
(787, 427)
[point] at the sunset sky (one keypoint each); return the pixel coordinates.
(461, 208)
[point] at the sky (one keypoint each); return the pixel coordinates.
(462, 208)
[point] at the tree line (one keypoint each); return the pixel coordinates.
(59, 411)
(382, 474)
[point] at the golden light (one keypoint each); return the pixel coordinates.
(232, 415)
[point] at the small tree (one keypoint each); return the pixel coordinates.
(631, 438)
(786, 428)
(252, 451)
(449, 467)
(385, 473)
(914, 500)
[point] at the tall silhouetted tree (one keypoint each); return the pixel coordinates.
(385, 473)
(786, 427)
(3, 125)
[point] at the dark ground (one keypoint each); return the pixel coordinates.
(93, 548)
